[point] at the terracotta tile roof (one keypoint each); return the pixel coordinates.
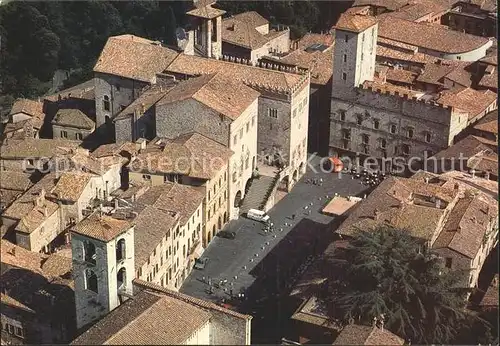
(251, 17)
(355, 334)
(489, 80)
(402, 76)
(7, 197)
(312, 38)
(206, 157)
(30, 107)
(36, 217)
(141, 104)
(73, 118)
(24, 204)
(70, 186)
(15, 180)
(249, 75)
(133, 57)
(354, 22)
(460, 76)
(484, 161)
(416, 11)
(83, 90)
(101, 227)
(181, 199)
(490, 298)
(207, 12)
(435, 72)
(226, 96)
(467, 224)
(36, 148)
(320, 64)
(151, 226)
(486, 5)
(485, 186)
(390, 204)
(467, 148)
(469, 100)
(22, 128)
(155, 316)
(491, 59)
(395, 54)
(191, 300)
(489, 123)
(429, 36)
(115, 149)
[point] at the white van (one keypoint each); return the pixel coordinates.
(257, 215)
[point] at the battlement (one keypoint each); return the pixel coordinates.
(404, 96)
(265, 65)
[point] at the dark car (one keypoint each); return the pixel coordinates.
(201, 263)
(226, 234)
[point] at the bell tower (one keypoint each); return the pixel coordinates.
(205, 34)
(103, 265)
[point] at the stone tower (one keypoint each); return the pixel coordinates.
(103, 265)
(204, 35)
(354, 52)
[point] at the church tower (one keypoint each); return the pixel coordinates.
(204, 36)
(355, 51)
(103, 265)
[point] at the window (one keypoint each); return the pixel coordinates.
(64, 134)
(383, 143)
(89, 252)
(406, 149)
(365, 138)
(235, 139)
(247, 162)
(120, 250)
(90, 281)
(345, 144)
(459, 57)
(79, 136)
(448, 262)
(121, 278)
(294, 113)
(365, 148)
(376, 124)
(344, 58)
(184, 250)
(342, 114)
(272, 112)
(346, 38)
(20, 332)
(146, 177)
(409, 132)
(234, 177)
(359, 119)
(393, 128)
(105, 103)
(248, 127)
(344, 76)
(346, 134)
(241, 133)
(428, 137)
(10, 329)
(253, 120)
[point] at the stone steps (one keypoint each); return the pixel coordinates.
(257, 193)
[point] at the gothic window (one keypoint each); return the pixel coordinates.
(393, 128)
(105, 103)
(406, 149)
(79, 136)
(90, 280)
(235, 139)
(383, 143)
(121, 278)
(89, 252)
(346, 134)
(64, 134)
(345, 144)
(120, 250)
(345, 57)
(344, 76)
(376, 124)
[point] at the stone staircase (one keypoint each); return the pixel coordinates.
(258, 193)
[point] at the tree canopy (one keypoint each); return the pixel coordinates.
(388, 273)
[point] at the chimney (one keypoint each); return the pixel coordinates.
(116, 203)
(427, 180)
(140, 144)
(487, 175)
(45, 211)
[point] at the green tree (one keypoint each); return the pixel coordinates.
(388, 273)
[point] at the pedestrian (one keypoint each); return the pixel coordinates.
(293, 216)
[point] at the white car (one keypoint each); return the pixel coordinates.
(258, 215)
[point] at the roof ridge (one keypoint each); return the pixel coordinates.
(189, 299)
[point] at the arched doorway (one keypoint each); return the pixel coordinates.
(237, 199)
(295, 175)
(226, 219)
(247, 185)
(219, 223)
(283, 186)
(121, 278)
(214, 231)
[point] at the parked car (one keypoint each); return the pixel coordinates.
(227, 234)
(257, 215)
(200, 263)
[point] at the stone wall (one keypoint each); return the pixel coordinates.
(228, 330)
(42, 235)
(72, 133)
(121, 92)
